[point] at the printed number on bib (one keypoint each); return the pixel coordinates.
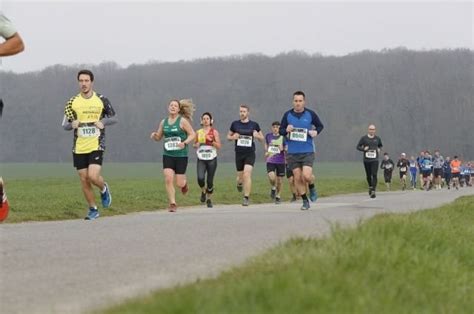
(244, 141)
(371, 154)
(388, 166)
(88, 131)
(273, 149)
(403, 169)
(206, 152)
(299, 135)
(171, 143)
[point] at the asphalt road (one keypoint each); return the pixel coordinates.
(77, 266)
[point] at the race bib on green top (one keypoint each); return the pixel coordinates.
(171, 143)
(88, 131)
(273, 149)
(299, 135)
(244, 141)
(206, 152)
(371, 154)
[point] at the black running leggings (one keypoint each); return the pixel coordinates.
(371, 168)
(210, 167)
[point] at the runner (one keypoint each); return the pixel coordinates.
(244, 132)
(88, 113)
(387, 165)
(466, 174)
(455, 171)
(419, 159)
(301, 126)
(438, 162)
(403, 165)
(371, 145)
(207, 143)
(426, 170)
(447, 172)
(413, 171)
(12, 45)
(275, 145)
(177, 132)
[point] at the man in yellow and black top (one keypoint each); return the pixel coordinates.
(87, 114)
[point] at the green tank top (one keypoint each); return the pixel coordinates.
(173, 135)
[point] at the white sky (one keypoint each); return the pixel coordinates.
(72, 32)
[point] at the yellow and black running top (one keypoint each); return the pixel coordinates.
(88, 111)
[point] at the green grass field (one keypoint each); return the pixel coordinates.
(413, 263)
(48, 191)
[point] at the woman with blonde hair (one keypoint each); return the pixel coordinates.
(177, 132)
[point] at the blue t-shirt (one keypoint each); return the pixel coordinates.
(246, 143)
(299, 141)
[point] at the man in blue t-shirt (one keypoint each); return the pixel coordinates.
(244, 132)
(301, 125)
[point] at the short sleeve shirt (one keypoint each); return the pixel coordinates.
(7, 29)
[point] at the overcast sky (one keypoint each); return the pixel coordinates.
(72, 32)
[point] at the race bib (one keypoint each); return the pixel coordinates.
(455, 169)
(273, 149)
(88, 131)
(244, 141)
(403, 169)
(299, 135)
(388, 166)
(206, 152)
(371, 154)
(171, 143)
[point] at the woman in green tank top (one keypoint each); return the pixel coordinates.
(177, 133)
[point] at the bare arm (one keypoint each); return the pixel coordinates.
(158, 134)
(12, 46)
(259, 135)
(186, 126)
(217, 140)
(231, 136)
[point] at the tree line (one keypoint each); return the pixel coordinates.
(418, 100)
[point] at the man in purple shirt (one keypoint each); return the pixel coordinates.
(275, 156)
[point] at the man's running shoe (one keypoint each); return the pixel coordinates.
(203, 197)
(313, 195)
(372, 194)
(172, 208)
(185, 189)
(93, 214)
(209, 203)
(305, 205)
(240, 187)
(272, 193)
(245, 201)
(106, 197)
(277, 200)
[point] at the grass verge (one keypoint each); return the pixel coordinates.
(412, 263)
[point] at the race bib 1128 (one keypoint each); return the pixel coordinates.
(88, 131)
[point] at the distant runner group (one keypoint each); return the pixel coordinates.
(434, 171)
